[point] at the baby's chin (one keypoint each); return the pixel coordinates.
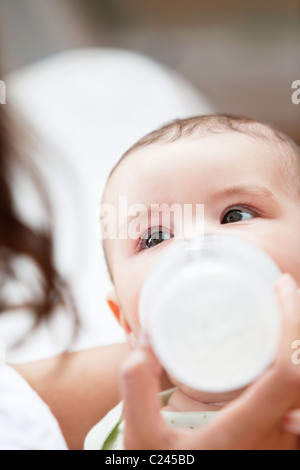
(218, 399)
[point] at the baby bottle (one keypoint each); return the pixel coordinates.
(211, 313)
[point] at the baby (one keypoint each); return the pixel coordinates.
(247, 175)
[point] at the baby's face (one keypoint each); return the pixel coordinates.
(240, 181)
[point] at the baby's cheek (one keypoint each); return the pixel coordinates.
(284, 249)
(135, 311)
(130, 306)
(134, 298)
(288, 260)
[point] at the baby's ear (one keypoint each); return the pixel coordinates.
(114, 306)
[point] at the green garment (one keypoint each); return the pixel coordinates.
(108, 433)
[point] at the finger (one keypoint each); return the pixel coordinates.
(291, 422)
(140, 387)
(244, 423)
(287, 364)
(289, 299)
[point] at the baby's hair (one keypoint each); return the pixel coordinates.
(210, 124)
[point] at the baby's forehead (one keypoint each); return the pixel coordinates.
(155, 159)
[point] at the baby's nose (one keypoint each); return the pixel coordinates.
(210, 228)
(206, 228)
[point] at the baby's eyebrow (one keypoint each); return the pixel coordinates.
(246, 189)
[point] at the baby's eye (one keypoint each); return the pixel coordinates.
(237, 215)
(153, 237)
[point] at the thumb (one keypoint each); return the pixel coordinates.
(140, 387)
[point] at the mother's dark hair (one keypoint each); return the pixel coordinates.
(18, 239)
